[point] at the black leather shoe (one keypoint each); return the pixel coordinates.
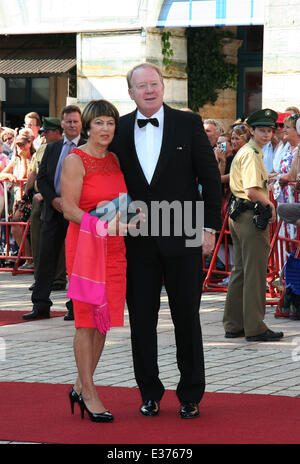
(31, 287)
(105, 416)
(189, 410)
(241, 333)
(69, 314)
(150, 408)
(35, 314)
(267, 336)
(74, 398)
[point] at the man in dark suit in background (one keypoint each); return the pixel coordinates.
(54, 228)
(164, 154)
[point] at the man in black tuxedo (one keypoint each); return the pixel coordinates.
(164, 157)
(54, 228)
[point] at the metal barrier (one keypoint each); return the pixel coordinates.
(280, 244)
(7, 255)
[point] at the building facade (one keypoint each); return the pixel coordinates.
(107, 38)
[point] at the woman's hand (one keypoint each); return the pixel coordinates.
(117, 228)
(273, 218)
(8, 176)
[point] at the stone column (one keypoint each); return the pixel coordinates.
(103, 59)
(281, 56)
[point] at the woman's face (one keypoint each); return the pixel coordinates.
(236, 141)
(102, 130)
(289, 133)
(8, 138)
(23, 147)
(224, 142)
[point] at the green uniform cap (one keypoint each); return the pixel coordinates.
(51, 124)
(264, 117)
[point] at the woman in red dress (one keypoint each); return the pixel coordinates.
(91, 174)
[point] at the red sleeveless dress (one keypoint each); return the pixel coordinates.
(103, 181)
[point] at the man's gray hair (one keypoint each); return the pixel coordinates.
(142, 65)
(216, 123)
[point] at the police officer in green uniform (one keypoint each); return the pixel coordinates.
(250, 211)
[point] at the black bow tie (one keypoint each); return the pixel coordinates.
(143, 122)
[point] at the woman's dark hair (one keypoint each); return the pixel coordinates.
(96, 108)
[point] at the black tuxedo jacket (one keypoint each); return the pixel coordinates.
(46, 174)
(186, 160)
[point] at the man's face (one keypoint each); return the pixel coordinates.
(52, 135)
(211, 133)
(147, 90)
(71, 124)
(31, 123)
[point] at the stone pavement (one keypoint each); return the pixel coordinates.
(42, 351)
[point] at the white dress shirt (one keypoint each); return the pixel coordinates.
(148, 140)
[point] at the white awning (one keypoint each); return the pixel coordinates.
(184, 13)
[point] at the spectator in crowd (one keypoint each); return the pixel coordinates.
(293, 174)
(4, 160)
(292, 110)
(51, 132)
(3, 157)
(29, 134)
(54, 227)
(32, 121)
(282, 146)
(239, 136)
(19, 168)
(224, 156)
(290, 135)
(213, 130)
(8, 137)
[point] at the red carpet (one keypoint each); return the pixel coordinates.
(41, 413)
(15, 317)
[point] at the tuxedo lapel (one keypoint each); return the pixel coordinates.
(165, 151)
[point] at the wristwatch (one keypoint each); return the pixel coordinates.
(208, 229)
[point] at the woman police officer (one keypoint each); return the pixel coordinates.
(246, 296)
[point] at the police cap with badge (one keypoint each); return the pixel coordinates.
(263, 118)
(50, 124)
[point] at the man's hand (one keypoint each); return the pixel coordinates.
(38, 197)
(57, 204)
(208, 243)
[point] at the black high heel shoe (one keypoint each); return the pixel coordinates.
(74, 398)
(105, 416)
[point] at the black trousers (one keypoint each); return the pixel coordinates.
(52, 239)
(147, 270)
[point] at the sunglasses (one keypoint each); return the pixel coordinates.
(295, 116)
(239, 127)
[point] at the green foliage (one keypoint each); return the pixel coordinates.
(207, 69)
(167, 51)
